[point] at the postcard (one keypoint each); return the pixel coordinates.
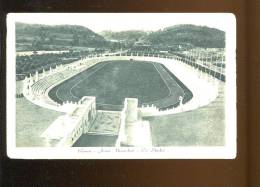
(121, 86)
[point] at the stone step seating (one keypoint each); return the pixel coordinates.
(41, 86)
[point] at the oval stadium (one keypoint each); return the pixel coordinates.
(76, 87)
(113, 100)
(113, 81)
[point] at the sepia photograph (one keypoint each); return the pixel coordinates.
(121, 85)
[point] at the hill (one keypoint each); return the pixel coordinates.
(47, 37)
(128, 36)
(198, 36)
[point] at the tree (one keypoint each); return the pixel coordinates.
(52, 39)
(75, 40)
(36, 44)
(42, 34)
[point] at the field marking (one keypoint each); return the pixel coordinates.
(85, 79)
(71, 94)
(176, 82)
(173, 78)
(163, 80)
(170, 94)
(57, 91)
(150, 102)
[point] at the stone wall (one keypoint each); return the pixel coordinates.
(68, 128)
(203, 86)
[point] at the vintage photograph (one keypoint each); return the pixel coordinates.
(121, 85)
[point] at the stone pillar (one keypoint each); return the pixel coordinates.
(180, 99)
(31, 80)
(131, 110)
(43, 72)
(36, 76)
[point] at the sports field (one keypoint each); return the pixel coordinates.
(112, 81)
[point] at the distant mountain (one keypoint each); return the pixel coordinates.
(198, 36)
(128, 36)
(66, 37)
(40, 37)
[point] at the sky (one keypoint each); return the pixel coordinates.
(126, 21)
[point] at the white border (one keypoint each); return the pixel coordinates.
(226, 152)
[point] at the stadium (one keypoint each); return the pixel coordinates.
(77, 87)
(129, 99)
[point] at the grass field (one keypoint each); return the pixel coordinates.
(31, 122)
(202, 127)
(112, 81)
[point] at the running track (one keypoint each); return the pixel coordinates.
(63, 93)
